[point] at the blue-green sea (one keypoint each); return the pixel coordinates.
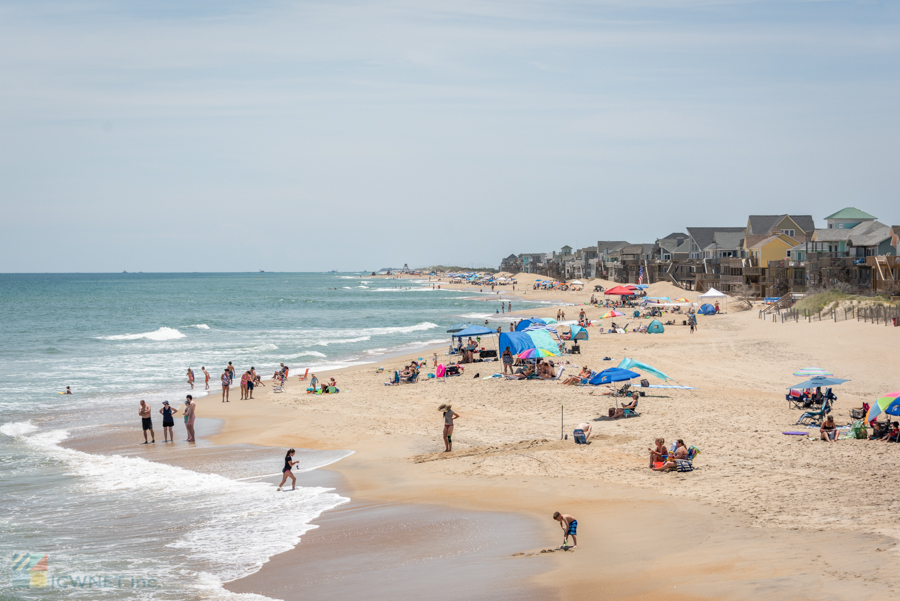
(118, 338)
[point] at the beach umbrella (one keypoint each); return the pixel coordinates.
(809, 372)
(682, 300)
(613, 374)
(889, 404)
(628, 363)
(817, 381)
(549, 320)
(534, 353)
(458, 327)
(612, 314)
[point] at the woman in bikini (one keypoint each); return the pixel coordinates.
(286, 470)
(449, 416)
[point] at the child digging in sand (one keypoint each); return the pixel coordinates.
(568, 524)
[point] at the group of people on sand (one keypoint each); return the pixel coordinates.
(168, 420)
(664, 460)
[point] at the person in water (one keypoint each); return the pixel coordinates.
(146, 421)
(189, 411)
(286, 470)
(206, 375)
(449, 416)
(68, 390)
(190, 377)
(168, 422)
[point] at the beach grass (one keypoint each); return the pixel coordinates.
(831, 299)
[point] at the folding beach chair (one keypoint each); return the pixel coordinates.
(625, 390)
(814, 418)
(395, 380)
(304, 376)
(278, 384)
(411, 379)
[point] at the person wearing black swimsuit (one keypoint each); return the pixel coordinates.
(168, 422)
(286, 470)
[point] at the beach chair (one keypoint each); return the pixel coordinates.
(795, 399)
(559, 373)
(395, 381)
(278, 384)
(412, 379)
(625, 390)
(304, 376)
(814, 418)
(633, 411)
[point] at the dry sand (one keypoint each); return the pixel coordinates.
(764, 513)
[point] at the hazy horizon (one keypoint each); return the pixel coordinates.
(224, 137)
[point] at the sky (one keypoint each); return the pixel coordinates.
(354, 135)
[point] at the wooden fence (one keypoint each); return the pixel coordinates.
(875, 314)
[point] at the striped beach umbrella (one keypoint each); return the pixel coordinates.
(612, 314)
(809, 372)
(534, 353)
(681, 300)
(890, 404)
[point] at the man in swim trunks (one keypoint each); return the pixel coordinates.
(146, 422)
(226, 384)
(206, 375)
(230, 370)
(568, 524)
(189, 410)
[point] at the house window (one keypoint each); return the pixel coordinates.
(788, 233)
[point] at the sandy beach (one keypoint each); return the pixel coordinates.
(764, 513)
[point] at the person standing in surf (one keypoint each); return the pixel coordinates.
(286, 470)
(189, 413)
(206, 375)
(190, 376)
(226, 384)
(146, 421)
(168, 422)
(449, 416)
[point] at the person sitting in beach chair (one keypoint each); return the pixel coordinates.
(522, 373)
(572, 380)
(629, 410)
(892, 435)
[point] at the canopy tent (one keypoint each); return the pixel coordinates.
(642, 286)
(628, 363)
(613, 374)
(536, 326)
(576, 283)
(578, 333)
(707, 309)
(713, 295)
(549, 320)
(527, 322)
(620, 291)
(521, 341)
(458, 327)
(474, 331)
(655, 327)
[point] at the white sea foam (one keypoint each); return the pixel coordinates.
(199, 326)
(163, 333)
(477, 315)
(239, 525)
(344, 340)
(306, 354)
(419, 327)
(18, 429)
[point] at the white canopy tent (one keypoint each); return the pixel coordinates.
(713, 295)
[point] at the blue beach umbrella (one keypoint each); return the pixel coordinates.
(613, 374)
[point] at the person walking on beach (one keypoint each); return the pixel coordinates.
(146, 422)
(168, 422)
(190, 376)
(251, 382)
(449, 416)
(205, 375)
(286, 470)
(189, 412)
(226, 385)
(244, 378)
(569, 525)
(230, 370)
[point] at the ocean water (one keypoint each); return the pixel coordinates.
(119, 525)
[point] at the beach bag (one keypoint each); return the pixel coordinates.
(683, 465)
(645, 383)
(578, 435)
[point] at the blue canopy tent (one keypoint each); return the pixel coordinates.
(578, 333)
(457, 327)
(474, 331)
(527, 322)
(613, 374)
(629, 363)
(707, 309)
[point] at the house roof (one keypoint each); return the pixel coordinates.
(869, 233)
(832, 235)
(674, 236)
(767, 240)
(851, 213)
(668, 244)
(704, 236)
(632, 249)
(610, 245)
(763, 224)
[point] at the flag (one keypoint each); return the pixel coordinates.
(641, 276)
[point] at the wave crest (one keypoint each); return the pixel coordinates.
(163, 333)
